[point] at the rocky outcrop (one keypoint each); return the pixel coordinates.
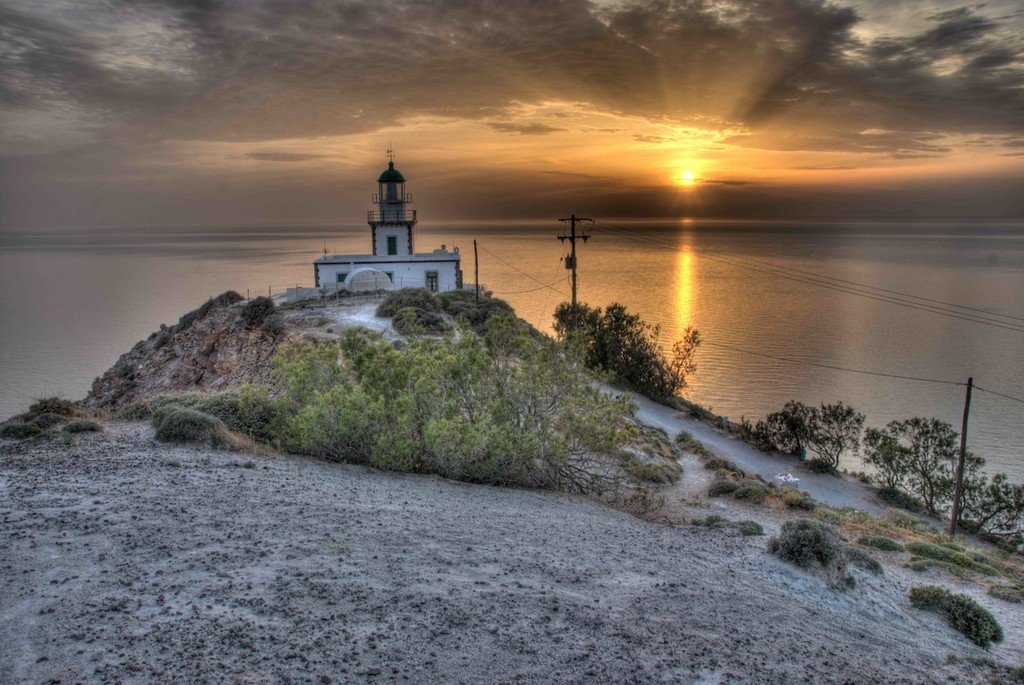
(212, 348)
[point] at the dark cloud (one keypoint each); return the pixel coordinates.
(530, 129)
(644, 138)
(131, 76)
(262, 70)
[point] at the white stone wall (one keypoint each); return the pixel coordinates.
(402, 274)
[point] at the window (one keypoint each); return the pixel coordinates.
(432, 281)
(390, 275)
(342, 277)
(392, 245)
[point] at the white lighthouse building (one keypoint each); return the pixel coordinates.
(394, 263)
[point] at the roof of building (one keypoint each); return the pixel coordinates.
(436, 256)
(391, 174)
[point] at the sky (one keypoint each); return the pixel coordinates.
(118, 113)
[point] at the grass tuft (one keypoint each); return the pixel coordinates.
(19, 430)
(863, 560)
(82, 426)
(880, 542)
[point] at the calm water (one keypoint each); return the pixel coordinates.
(70, 304)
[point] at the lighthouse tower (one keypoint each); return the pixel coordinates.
(394, 263)
(393, 223)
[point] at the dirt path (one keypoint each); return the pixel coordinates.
(130, 561)
(835, 490)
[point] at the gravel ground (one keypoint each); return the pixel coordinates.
(129, 561)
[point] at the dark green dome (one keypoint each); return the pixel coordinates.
(391, 175)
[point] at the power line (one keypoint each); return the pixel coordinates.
(780, 272)
(655, 241)
(513, 266)
(886, 290)
(834, 367)
(531, 290)
(993, 392)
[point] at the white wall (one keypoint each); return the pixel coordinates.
(403, 274)
(400, 232)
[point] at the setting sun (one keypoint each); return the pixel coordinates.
(686, 178)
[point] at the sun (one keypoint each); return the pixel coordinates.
(686, 178)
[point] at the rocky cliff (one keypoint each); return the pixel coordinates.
(212, 348)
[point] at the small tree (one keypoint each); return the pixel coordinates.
(683, 364)
(995, 507)
(834, 429)
(918, 457)
(882, 449)
(623, 344)
(788, 430)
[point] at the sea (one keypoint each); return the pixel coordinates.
(889, 317)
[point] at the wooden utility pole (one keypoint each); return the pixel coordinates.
(570, 261)
(958, 489)
(476, 270)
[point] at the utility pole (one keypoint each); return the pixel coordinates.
(570, 261)
(476, 270)
(958, 491)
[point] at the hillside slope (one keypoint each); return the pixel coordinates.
(130, 560)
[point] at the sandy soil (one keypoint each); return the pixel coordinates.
(129, 561)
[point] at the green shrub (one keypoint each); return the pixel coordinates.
(411, 321)
(688, 443)
(928, 597)
(48, 420)
(179, 424)
(139, 410)
(82, 426)
(53, 405)
(816, 465)
(1008, 593)
(713, 521)
(750, 528)
(716, 463)
(880, 542)
(753, 491)
(808, 543)
(950, 556)
(463, 304)
(920, 565)
(257, 311)
(224, 299)
(794, 499)
(862, 559)
(505, 409)
(19, 430)
(657, 473)
(418, 299)
(895, 497)
(961, 612)
(974, 621)
(248, 410)
(723, 487)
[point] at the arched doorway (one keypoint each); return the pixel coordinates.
(366, 279)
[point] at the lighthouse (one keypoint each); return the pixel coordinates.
(393, 263)
(393, 223)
